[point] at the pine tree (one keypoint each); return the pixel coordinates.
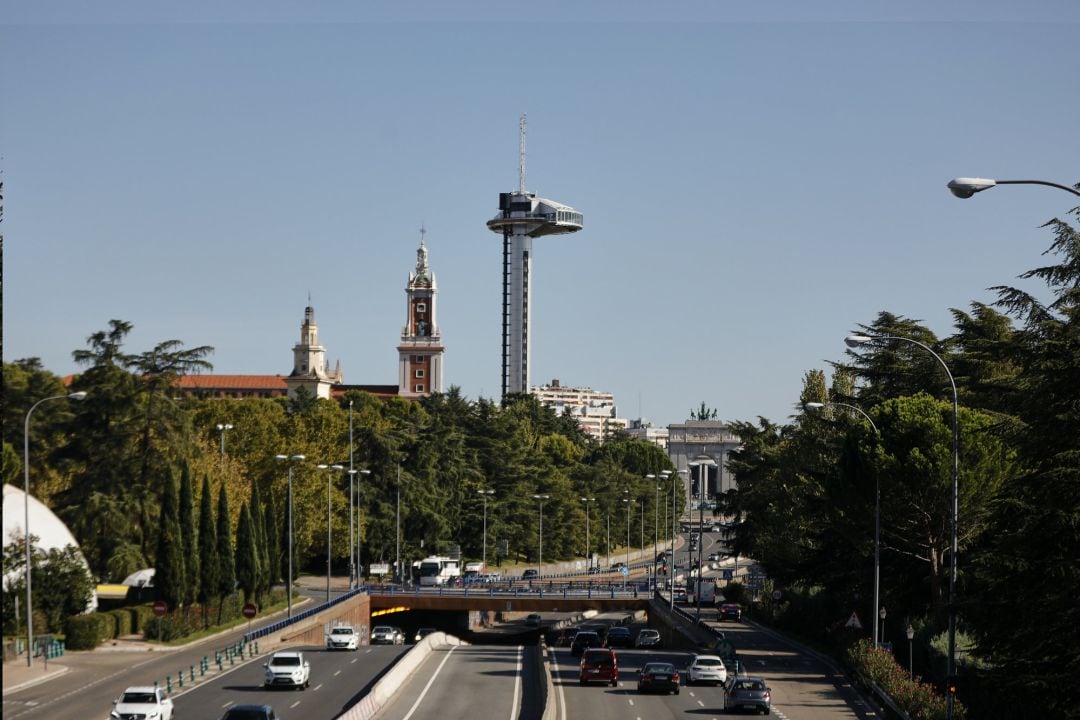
(208, 563)
(189, 539)
(247, 564)
(169, 575)
(273, 541)
(262, 557)
(226, 562)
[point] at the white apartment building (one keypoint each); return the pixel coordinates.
(594, 411)
(642, 429)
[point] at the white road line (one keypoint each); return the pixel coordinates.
(227, 704)
(517, 685)
(336, 673)
(429, 682)
(294, 704)
(701, 703)
(630, 701)
(317, 686)
(562, 691)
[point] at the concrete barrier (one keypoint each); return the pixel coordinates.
(385, 688)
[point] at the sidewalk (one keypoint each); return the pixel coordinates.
(17, 676)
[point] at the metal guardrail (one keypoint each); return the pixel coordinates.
(274, 627)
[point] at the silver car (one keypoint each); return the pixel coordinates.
(387, 635)
(749, 694)
(647, 638)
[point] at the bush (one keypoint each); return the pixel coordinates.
(122, 619)
(85, 632)
(920, 700)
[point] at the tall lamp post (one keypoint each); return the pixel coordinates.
(358, 564)
(629, 502)
(588, 547)
(540, 559)
(854, 341)
(910, 632)
(818, 407)
(485, 494)
(966, 187)
(222, 428)
(674, 531)
(702, 463)
(290, 459)
(329, 526)
(81, 395)
(397, 526)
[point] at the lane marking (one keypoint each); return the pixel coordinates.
(336, 673)
(630, 701)
(562, 690)
(317, 686)
(429, 683)
(294, 704)
(517, 684)
(699, 702)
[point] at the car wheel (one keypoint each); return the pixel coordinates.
(614, 683)
(582, 681)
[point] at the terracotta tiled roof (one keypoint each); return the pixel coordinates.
(231, 382)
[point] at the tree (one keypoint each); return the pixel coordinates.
(226, 573)
(273, 541)
(188, 538)
(169, 573)
(61, 582)
(262, 553)
(247, 562)
(1032, 552)
(209, 567)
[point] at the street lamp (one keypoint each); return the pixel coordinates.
(588, 548)
(703, 463)
(965, 187)
(329, 526)
(674, 530)
(817, 407)
(81, 395)
(397, 525)
(854, 341)
(222, 427)
(540, 562)
(881, 614)
(290, 459)
(485, 494)
(628, 502)
(910, 652)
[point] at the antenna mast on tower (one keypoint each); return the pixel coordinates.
(521, 154)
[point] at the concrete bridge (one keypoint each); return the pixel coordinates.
(513, 600)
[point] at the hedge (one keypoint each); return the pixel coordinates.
(122, 622)
(86, 632)
(919, 700)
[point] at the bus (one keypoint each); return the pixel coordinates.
(439, 570)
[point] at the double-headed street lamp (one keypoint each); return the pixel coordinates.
(81, 395)
(588, 548)
(485, 494)
(854, 341)
(817, 407)
(222, 428)
(965, 187)
(540, 562)
(629, 502)
(702, 463)
(329, 525)
(290, 459)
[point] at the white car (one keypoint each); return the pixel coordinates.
(288, 668)
(706, 669)
(386, 635)
(342, 637)
(144, 703)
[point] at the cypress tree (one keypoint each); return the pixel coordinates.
(188, 537)
(208, 564)
(262, 581)
(225, 560)
(247, 564)
(169, 564)
(273, 541)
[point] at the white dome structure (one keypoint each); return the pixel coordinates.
(50, 531)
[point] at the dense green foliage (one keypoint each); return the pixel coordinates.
(806, 492)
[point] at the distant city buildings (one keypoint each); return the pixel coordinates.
(594, 411)
(642, 429)
(420, 356)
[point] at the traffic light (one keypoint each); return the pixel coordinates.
(950, 686)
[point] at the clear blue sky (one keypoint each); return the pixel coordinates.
(756, 179)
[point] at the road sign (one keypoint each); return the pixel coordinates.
(625, 571)
(160, 608)
(250, 610)
(379, 568)
(776, 594)
(853, 621)
(728, 574)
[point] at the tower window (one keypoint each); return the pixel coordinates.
(419, 359)
(418, 388)
(421, 307)
(419, 373)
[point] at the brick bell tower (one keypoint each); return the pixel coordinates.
(420, 352)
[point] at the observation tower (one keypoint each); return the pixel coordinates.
(522, 217)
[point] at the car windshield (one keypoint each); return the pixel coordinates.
(139, 698)
(246, 714)
(602, 659)
(382, 629)
(618, 631)
(659, 669)
(749, 685)
(583, 636)
(650, 633)
(707, 662)
(341, 631)
(287, 660)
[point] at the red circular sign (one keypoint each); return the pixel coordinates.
(250, 610)
(160, 607)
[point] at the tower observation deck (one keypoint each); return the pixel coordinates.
(522, 217)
